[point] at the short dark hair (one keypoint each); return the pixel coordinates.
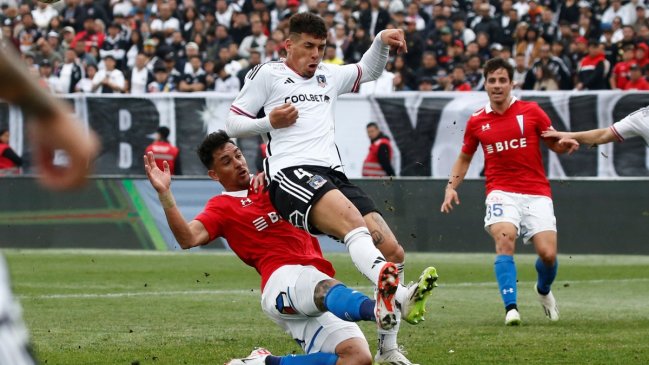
(496, 63)
(372, 124)
(308, 23)
(213, 142)
(163, 132)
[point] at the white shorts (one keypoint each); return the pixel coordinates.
(530, 214)
(13, 334)
(288, 300)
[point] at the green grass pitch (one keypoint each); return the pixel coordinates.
(115, 307)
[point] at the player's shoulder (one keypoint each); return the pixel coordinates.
(268, 69)
(478, 116)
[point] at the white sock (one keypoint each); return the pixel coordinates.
(388, 338)
(367, 258)
(402, 293)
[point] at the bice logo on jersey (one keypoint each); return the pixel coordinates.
(246, 202)
(262, 222)
(512, 144)
(322, 80)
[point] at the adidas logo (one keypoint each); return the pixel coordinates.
(377, 261)
(289, 81)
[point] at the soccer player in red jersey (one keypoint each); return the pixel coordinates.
(298, 289)
(519, 201)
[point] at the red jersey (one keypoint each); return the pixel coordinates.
(639, 84)
(511, 145)
(621, 72)
(164, 151)
(258, 235)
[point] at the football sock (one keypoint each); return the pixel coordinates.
(367, 258)
(505, 270)
(349, 305)
(388, 338)
(546, 275)
(318, 358)
(402, 293)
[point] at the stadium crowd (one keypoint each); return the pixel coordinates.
(137, 46)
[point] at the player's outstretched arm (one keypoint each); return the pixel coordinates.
(52, 127)
(591, 137)
(375, 58)
(458, 172)
(188, 235)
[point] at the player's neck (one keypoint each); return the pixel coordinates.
(501, 108)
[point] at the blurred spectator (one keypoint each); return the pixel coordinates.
(642, 55)
(221, 39)
(569, 11)
(554, 65)
(428, 67)
(415, 44)
(330, 56)
(507, 20)
(620, 74)
(47, 79)
(93, 10)
(85, 84)
(413, 16)
(520, 71)
(161, 82)
(360, 43)
(398, 82)
(459, 82)
(407, 75)
(109, 80)
(545, 79)
(10, 162)
(166, 23)
(163, 151)
(194, 80)
(461, 32)
(425, 83)
(593, 69)
(134, 47)
(374, 19)
(240, 27)
(256, 40)
(89, 36)
(174, 76)
(474, 73)
(378, 161)
(114, 45)
(73, 15)
(443, 81)
(45, 51)
(616, 10)
(224, 12)
(70, 72)
(549, 28)
(637, 80)
(531, 46)
(43, 14)
(189, 16)
(225, 82)
(139, 76)
(486, 24)
(640, 16)
(534, 15)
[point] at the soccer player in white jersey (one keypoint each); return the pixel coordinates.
(307, 182)
(519, 199)
(52, 129)
(635, 124)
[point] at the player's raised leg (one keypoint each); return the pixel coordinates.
(504, 235)
(547, 264)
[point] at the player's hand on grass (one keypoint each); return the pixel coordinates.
(450, 197)
(283, 116)
(395, 39)
(160, 180)
(60, 130)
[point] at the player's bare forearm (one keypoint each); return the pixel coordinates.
(593, 137)
(459, 170)
(23, 89)
(187, 234)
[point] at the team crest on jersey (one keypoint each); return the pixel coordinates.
(322, 80)
(316, 182)
(246, 202)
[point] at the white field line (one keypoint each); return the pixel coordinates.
(256, 292)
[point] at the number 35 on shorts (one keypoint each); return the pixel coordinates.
(494, 209)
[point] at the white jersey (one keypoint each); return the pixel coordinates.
(310, 141)
(635, 124)
(13, 334)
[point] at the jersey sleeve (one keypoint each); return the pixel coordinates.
(543, 121)
(629, 126)
(212, 218)
(255, 92)
(470, 144)
(349, 77)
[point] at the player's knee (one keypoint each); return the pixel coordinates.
(548, 257)
(354, 351)
(505, 247)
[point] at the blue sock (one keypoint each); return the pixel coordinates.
(318, 358)
(505, 269)
(272, 360)
(348, 304)
(546, 275)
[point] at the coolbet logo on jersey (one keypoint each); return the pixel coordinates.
(507, 145)
(319, 98)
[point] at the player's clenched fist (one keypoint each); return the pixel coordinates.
(283, 116)
(395, 39)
